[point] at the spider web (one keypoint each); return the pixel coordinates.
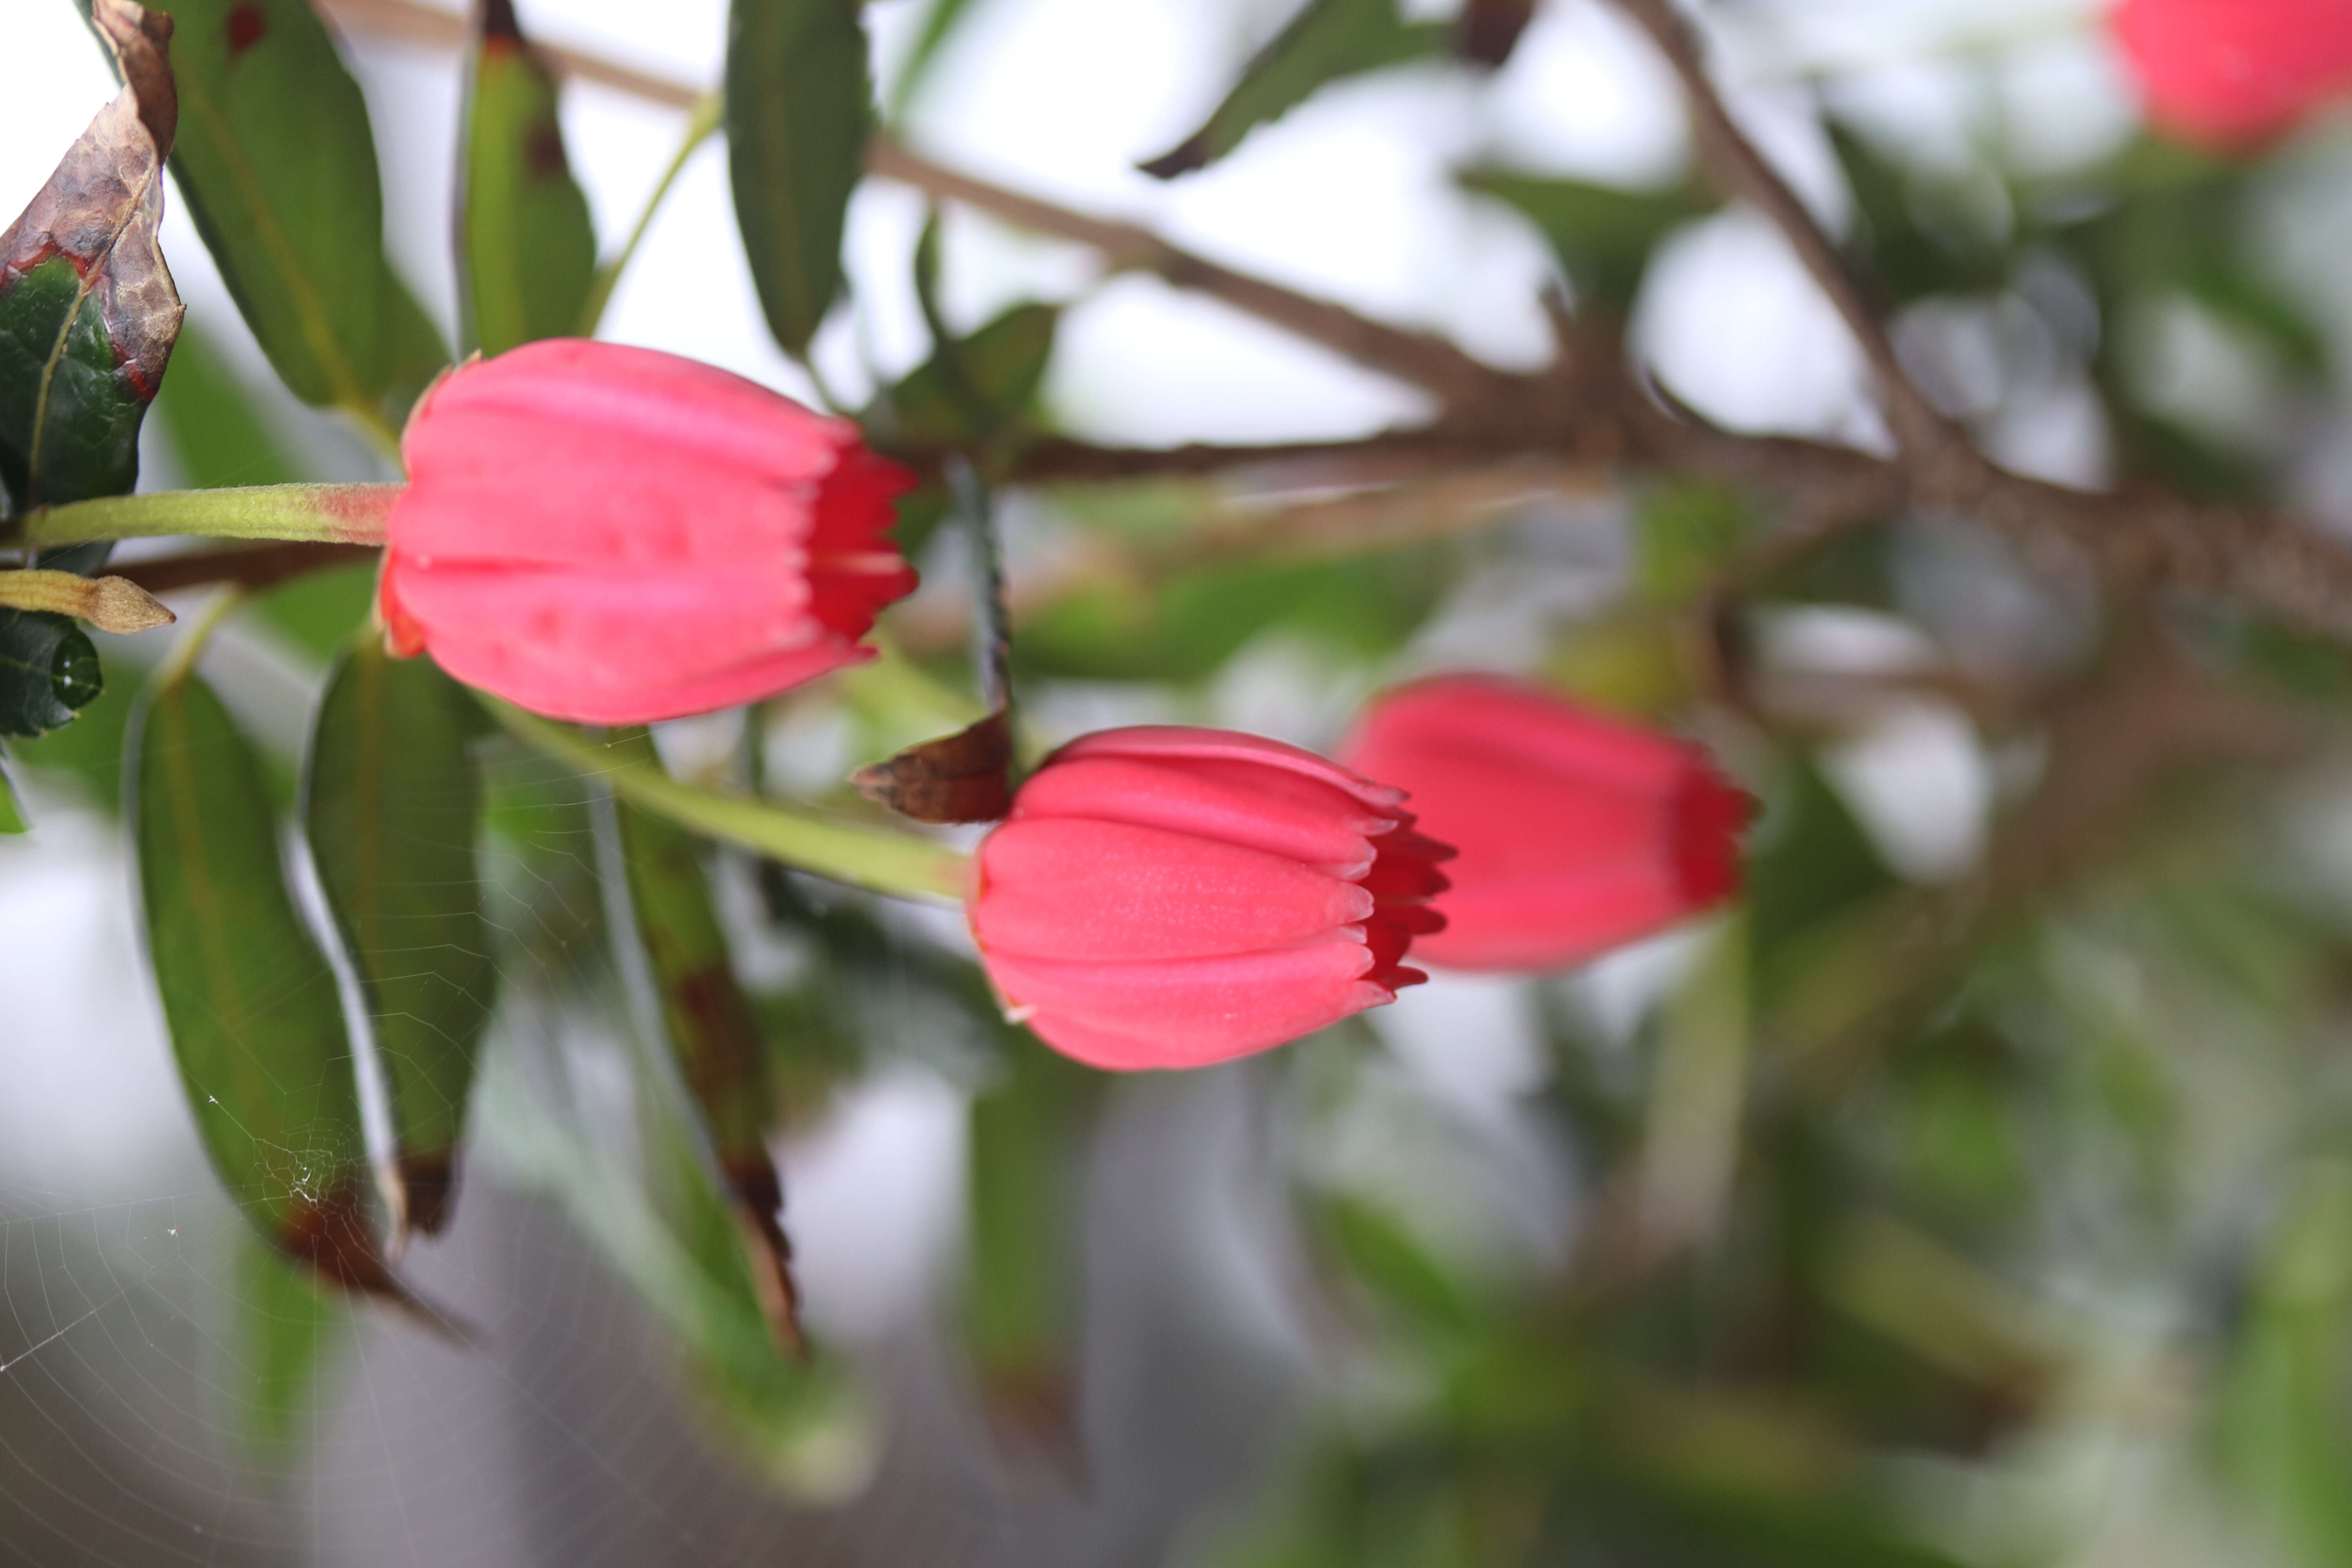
(147, 1345)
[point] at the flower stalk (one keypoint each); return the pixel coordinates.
(881, 859)
(322, 514)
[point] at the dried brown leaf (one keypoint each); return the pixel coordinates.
(964, 777)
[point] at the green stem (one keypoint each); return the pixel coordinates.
(192, 642)
(324, 514)
(883, 860)
(699, 124)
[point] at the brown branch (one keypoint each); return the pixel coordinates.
(250, 566)
(1422, 359)
(1741, 168)
(1391, 454)
(1589, 408)
(1414, 511)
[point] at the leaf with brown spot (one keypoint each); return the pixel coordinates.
(527, 248)
(88, 310)
(255, 1018)
(392, 803)
(714, 1034)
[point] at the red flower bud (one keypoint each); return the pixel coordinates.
(1170, 897)
(1576, 833)
(617, 535)
(2235, 72)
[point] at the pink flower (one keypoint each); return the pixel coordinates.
(1576, 833)
(617, 535)
(2235, 72)
(1170, 897)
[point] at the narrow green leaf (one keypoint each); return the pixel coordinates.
(414, 352)
(672, 1234)
(88, 312)
(285, 1328)
(527, 248)
(277, 164)
(1603, 234)
(939, 25)
(979, 389)
(1324, 42)
(798, 107)
(391, 802)
(1381, 1255)
(12, 816)
(48, 672)
(974, 386)
(2285, 1433)
(218, 436)
(1028, 1139)
(256, 1024)
(713, 1030)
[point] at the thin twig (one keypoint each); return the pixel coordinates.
(2267, 560)
(1743, 170)
(255, 566)
(1422, 359)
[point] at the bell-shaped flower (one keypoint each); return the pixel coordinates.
(2235, 73)
(1170, 897)
(618, 535)
(1576, 833)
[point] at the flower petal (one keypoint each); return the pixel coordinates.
(1183, 1013)
(1085, 890)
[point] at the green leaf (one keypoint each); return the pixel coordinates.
(1029, 1132)
(277, 164)
(670, 1232)
(978, 389)
(48, 672)
(391, 802)
(1326, 40)
(12, 816)
(1603, 235)
(798, 107)
(285, 1330)
(1915, 235)
(1688, 531)
(218, 434)
(1197, 620)
(2285, 1429)
(1810, 860)
(255, 1022)
(415, 354)
(975, 386)
(527, 245)
(88, 312)
(1380, 1254)
(89, 750)
(714, 1033)
(940, 24)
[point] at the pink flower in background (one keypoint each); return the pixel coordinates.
(617, 535)
(2235, 72)
(1170, 897)
(1576, 833)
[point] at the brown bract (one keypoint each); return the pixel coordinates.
(962, 777)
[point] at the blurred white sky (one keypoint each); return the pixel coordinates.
(1350, 195)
